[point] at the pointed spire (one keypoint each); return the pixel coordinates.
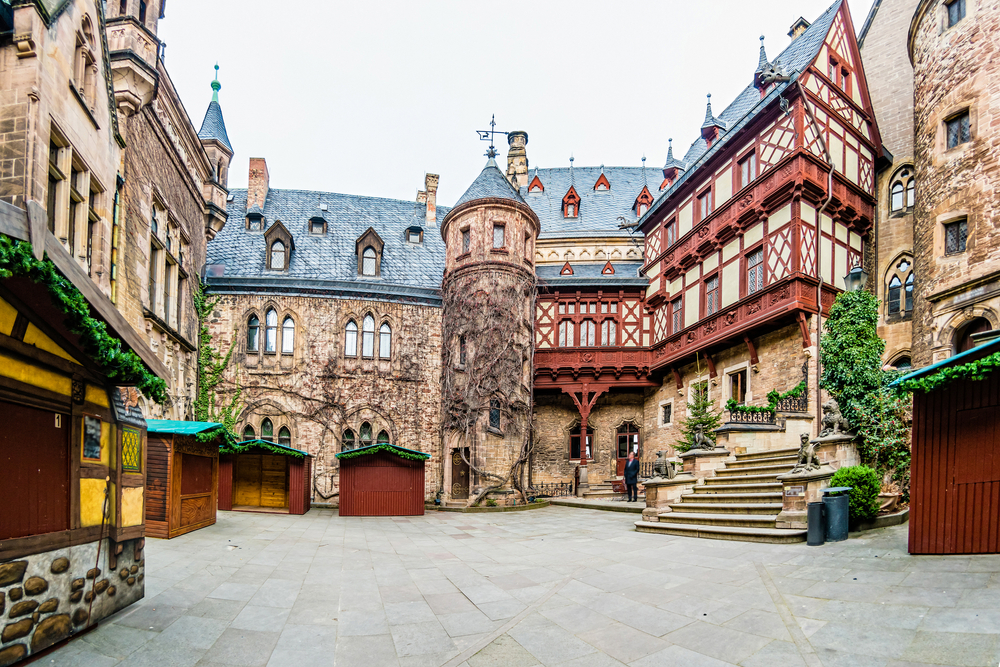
(672, 162)
(216, 86)
(709, 118)
(762, 61)
(571, 178)
(213, 127)
(643, 169)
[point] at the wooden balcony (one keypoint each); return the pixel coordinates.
(613, 366)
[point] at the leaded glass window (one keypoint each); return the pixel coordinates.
(587, 329)
(267, 430)
(712, 295)
(495, 413)
(498, 236)
(955, 236)
(348, 440)
(277, 256)
(248, 433)
(383, 438)
(959, 130)
(131, 449)
(368, 258)
(368, 337)
(366, 434)
(755, 271)
(284, 436)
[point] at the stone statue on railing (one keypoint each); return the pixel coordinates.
(701, 441)
(663, 468)
(808, 460)
(835, 425)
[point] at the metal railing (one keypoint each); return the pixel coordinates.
(551, 490)
(793, 404)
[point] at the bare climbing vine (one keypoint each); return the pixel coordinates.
(493, 312)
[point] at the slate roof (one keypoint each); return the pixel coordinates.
(491, 183)
(331, 257)
(213, 126)
(599, 211)
(626, 274)
(793, 60)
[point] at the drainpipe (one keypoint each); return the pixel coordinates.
(819, 254)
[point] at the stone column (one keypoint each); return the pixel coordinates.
(661, 493)
(798, 490)
(702, 463)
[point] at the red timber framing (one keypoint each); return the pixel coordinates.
(760, 242)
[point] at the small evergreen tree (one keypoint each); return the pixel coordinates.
(703, 414)
(212, 366)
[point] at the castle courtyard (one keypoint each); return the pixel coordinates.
(555, 586)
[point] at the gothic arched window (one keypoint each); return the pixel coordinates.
(267, 430)
(270, 331)
(366, 434)
(248, 433)
(368, 262)
(284, 436)
(385, 341)
(278, 256)
(902, 191)
(348, 440)
(253, 333)
(899, 287)
(368, 337)
(383, 438)
(288, 336)
(351, 339)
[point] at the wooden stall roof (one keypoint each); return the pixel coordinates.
(178, 427)
(974, 354)
(273, 447)
(402, 452)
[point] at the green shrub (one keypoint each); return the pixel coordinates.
(491, 503)
(865, 485)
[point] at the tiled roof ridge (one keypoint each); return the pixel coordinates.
(297, 191)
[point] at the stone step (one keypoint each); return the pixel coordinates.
(729, 480)
(694, 506)
(762, 487)
(771, 460)
(755, 470)
(745, 520)
(768, 454)
(738, 533)
(719, 498)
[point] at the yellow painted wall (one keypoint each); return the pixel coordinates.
(684, 219)
(34, 375)
(7, 316)
(97, 396)
(92, 502)
(730, 283)
(132, 512)
(34, 336)
(692, 306)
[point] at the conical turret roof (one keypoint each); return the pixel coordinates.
(762, 62)
(490, 184)
(214, 126)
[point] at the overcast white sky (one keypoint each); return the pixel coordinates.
(364, 97)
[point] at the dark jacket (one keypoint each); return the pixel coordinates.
(632, 472)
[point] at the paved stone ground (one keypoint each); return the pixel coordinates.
(555, 586)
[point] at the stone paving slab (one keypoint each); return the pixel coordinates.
(557, 586)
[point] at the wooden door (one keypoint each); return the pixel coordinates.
(628, 441)
(459, 475)
(274, 481)
(246, 480)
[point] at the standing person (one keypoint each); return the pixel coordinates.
(632, 478)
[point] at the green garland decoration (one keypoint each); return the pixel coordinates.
(375, 449)
(228, 437)
(240, 448)
(773, 398)
(977, 370)
(123, 366)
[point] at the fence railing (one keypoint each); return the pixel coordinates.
(793, 404)
(646, 469)
(741, 417)
(551, 490)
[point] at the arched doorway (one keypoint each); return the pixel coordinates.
(963, 337)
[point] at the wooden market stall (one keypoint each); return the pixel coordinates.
(73, 453)
(182, 475)
(263, 476)
(382, 480)
(955, 469)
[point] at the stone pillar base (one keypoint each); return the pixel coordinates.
(651, 514)
(703, 463)
(661, 492)
(798, 490)
(838, 450)
(584, 485)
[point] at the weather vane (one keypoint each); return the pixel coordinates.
(487, 135)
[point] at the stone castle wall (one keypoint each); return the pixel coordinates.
(955, 69)
(317, 392)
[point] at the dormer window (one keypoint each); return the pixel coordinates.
(566, 270)
(642, 202)
(279, 247)
(317, 226)
(277, 256)
(536, 186)
(414, 235)
(602, 184)
(571, 204)
(369, 251)
(608, 270)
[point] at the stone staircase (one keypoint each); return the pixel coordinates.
(601, 491)
(740, 502)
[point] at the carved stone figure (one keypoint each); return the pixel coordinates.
(662, 467)
(807, 456)
(701, 440)
(834, 423)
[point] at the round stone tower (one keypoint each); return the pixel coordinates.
(488, 305)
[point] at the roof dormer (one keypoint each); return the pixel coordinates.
(672, 168)
(536, 185)
(368, 248)
(255, 219)
(317, 225)
(571, 204)
(602, 184)
(642, 202)
(608, 270)
(566, 270)
(278, 247)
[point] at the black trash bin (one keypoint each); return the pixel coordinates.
(816, 525)
(837, 504)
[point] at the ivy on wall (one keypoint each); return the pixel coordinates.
(212, 366)
(773, 398)
(121, 366)
(389, 449)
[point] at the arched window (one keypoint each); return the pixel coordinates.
(351, 339)
(348, 440)
(899, 287)
(368, 337)
(587, 328)
(278, 256)
(368, 262)
(902, 191)
(383, 438)
(288, 336)
(253, 333)
(270, 331)
(267, 430)
(895, 287)
(964, 340)
(248, 433)
(284, 436)
(574, 442)
(903, 364)
(385, 341)
(366, 434)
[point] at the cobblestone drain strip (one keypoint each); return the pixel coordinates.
(483, 643)
(802, 643)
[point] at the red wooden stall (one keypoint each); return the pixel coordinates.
(955, 471)
(382, 480)
(263, 476)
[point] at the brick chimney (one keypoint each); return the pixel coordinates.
(429, 196)
(258, 183)
(517, 158)
(798, 28)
